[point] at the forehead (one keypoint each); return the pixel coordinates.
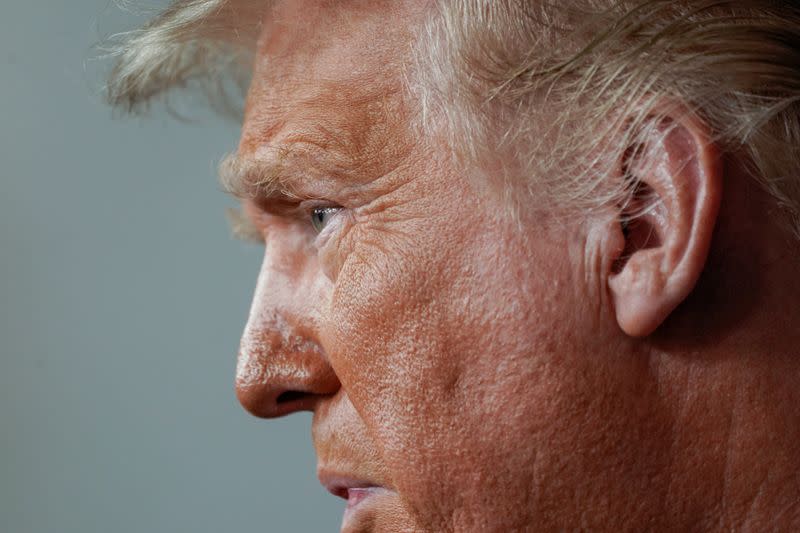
(328, 72)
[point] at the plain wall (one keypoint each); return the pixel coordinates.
(122, 297)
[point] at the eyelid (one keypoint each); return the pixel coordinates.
(307, 206)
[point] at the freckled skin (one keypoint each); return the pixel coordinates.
(472, 369)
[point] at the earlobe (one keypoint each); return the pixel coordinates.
(677, 179)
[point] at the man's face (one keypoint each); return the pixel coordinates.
(451, 354)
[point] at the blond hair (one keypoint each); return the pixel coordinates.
(206, 43)
(485, 69)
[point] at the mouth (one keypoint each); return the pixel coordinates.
(357, 492)
(348, 488)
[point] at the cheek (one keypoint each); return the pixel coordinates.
(432, 337)
(387, 310)
(392, 359)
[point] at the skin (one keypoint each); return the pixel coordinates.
(494, 374)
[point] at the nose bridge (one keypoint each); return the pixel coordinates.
(281, 367)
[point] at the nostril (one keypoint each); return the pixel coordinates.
(290, 396)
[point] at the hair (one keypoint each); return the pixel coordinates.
(490, 75)
(203, 43)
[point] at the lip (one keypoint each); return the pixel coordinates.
(358, 492)
(345, 486)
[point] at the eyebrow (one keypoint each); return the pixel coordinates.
(246, 177)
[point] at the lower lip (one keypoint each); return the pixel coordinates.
(356, 496)
(358, 499)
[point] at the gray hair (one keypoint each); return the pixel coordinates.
(209, 43)
(484, 69)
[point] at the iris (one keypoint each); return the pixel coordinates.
(320, 216)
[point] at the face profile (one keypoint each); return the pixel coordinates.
(509, 253)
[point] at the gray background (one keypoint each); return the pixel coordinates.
(122, 297)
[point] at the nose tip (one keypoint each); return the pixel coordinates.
(275, 399)
(275, 380)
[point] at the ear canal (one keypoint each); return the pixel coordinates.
(640, 216)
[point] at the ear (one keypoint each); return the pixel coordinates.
(676, 179)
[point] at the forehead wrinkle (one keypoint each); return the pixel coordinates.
(322, 145)
(356, 124)
(348, 127)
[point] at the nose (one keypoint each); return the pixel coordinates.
(281, 367)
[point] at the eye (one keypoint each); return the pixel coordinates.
(320, 216)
